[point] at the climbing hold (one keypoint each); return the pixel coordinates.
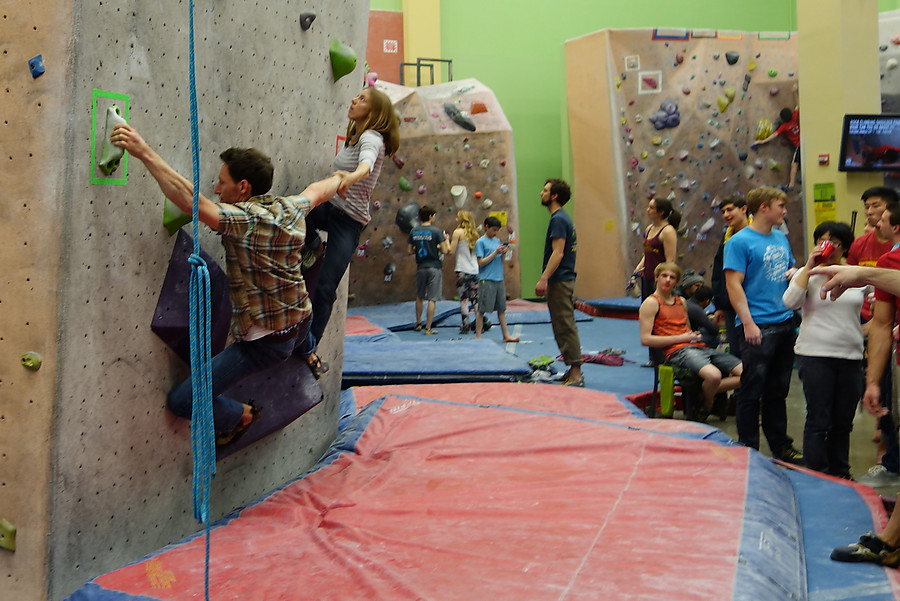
(404, 184)
(644, 155)
(729, 94)
(773, 91)
(484, 163)
(656, 141)
(343, 59)
(890, 64)
(634, 162)
(486, 203)
(504, 188)
(723, 103)
(420, 173)
(679, 58)
(732, 57)
(742, 155)
(371, 79)
(763, 129)
(7, 535)
(478, 107)
(457, 117)
(716, 56)
(389, 270)
(774, 165)
(422, 189)
(398, 161)
(685, 185)
(407, 217)
(651, 82)
(478, 195)
(714, 143)
(773, 72)
(682, 155)
(36, 66)
(376, 205)
(459, 194)
(468, 165)
(685, 90)
(111, 155)
(173, 217)
(638, 118)
(31, 360)
(387, 242)
(306, 20)
(660, 152)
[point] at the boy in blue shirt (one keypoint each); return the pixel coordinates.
(427, 243)
(757, 259)
(491, 291)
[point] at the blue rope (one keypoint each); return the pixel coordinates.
(203, 444)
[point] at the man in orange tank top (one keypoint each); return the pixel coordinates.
(665, 325)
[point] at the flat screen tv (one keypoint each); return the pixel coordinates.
(870, 143)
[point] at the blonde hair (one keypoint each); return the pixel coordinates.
(467, 223)
(668, 266)
(381, 118)
(764, 195)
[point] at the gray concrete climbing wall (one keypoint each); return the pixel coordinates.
(94, 472)
(717, 89)
(438, 155)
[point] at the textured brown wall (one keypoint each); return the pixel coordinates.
(32, 129)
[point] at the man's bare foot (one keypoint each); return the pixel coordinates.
(511, 339)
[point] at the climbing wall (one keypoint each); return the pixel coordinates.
(95, 471)
(438, 156)
(679, 110)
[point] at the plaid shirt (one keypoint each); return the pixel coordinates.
(263, 237)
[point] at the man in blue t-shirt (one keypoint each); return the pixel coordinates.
(489, 251)
(557, 281)
(756, 263)
(428, 243)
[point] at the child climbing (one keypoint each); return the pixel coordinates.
(790, 129)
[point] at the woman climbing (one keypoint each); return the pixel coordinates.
(372, 134)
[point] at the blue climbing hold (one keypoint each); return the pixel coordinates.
(36, 65)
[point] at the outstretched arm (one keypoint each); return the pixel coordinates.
(324, 189)
(174, 186)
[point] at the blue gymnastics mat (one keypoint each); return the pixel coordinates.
(399, 317)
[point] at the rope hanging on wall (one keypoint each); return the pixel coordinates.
(202, 428)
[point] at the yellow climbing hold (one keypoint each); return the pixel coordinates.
(656, 141)
(729, 94)
(752, 65)
(723, 103)
(763, 129)
(644, 155)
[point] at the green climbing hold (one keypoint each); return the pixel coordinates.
(7, 535)
(111, 155)
(173, 217)
(31, 360)
(343, 59)
(773, 72)
(404, 184)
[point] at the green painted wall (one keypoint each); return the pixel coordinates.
(395, 5)
(516, 49)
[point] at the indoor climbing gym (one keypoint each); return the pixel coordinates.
(446, 300)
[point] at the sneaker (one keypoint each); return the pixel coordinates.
(871, 549)
(464, 328)
(486, 326)
(418, 327)
(430, 332)
(792, 455)
(878, 476)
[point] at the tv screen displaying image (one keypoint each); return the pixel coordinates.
(870, 143)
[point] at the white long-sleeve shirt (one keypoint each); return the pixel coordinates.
(829, 328)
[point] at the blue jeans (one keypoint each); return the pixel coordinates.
(238, 361)
(731, 332)
(765, 384)
(343, 239)
(832, 388)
